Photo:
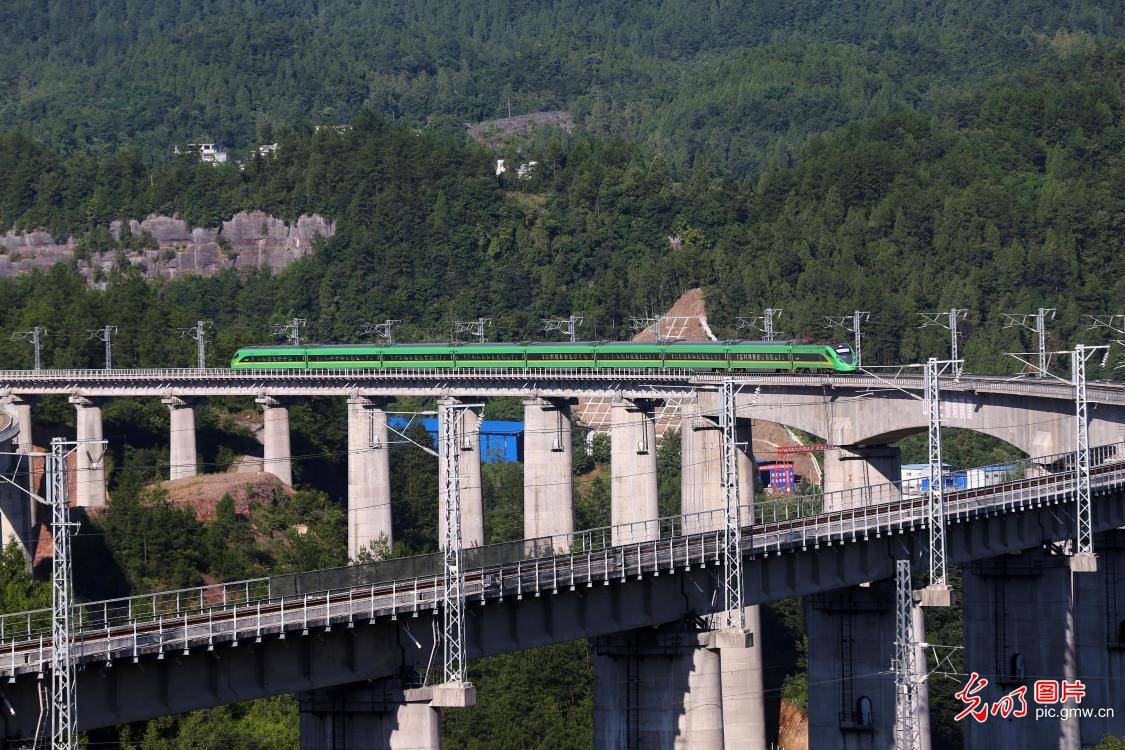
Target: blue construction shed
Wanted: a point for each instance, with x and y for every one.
(500, 441)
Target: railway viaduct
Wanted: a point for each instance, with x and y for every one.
(655, 686)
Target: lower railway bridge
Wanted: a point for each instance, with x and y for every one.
(357, 643)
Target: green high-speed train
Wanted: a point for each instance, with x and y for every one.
(724, 356)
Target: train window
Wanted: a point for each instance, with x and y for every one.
(272, 358)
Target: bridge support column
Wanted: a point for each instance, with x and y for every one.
(380, 716)
(701, 490)
(851, 636)
(702, 506)
(468, 467)
(857, 467)
(277, 458)
(369, 475)
(744, 695)
(1029, 616)
(659, 689)
(18, 512)
(182, 452)
(90, 477)
(20, 409)
(548, 481)
(634, 499)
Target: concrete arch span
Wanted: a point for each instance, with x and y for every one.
(1036, 426)
(866, 425)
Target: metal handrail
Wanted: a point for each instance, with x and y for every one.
(366, 601)
(816, 511)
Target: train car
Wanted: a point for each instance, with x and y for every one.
(716, 356)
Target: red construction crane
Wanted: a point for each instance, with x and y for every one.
(791, 450)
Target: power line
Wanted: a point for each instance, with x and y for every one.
(198, 332)
(290, 330)
(105, 335)
(949, 320)
(1115, 323)
(474, 328)
(642, 324)
(34, 336)
(566, 326)
(1036, 322)
(384, 330)
(763, 323)
(851, 324)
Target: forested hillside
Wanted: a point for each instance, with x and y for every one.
(1007, 200)
(742, 82)
(817, 157)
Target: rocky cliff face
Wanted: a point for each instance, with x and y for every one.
(249, 240)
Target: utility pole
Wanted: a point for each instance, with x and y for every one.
(290, 330)
(450, 419)
(198, 332)
(938, 593)
(907, 731)
(1084, 560)
(64, 687)
(949, 320)
(733, 601)
(474, 328)
(640, 324)
(566, 326)
(384, 330)
(1038, 324)
(763, 323)
(852, 324)
(34, 336)
(106, 335)
(63, 707)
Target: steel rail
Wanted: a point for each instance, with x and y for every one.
(142, 630)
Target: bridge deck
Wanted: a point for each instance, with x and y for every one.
(179, 621)
(630, 382)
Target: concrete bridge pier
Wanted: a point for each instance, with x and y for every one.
(701, 488)
(277, 458)
(183, 461)
(702, 505)
(1029, 616)
(20, 409)
(376, 716)
(855, 467)
(468, 468)
(634, 499)
(90, 489)
(851, 631)
(18, 512)
(658, 689)
(548, 479)
(369, 475)
(744, 696)
(851, 635)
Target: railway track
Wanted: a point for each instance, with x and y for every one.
(276, 616)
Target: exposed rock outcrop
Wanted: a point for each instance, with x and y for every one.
(248, 240)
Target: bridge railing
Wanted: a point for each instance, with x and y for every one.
(891, 497)
(22, 626)
(333, 373)
(802, 517)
